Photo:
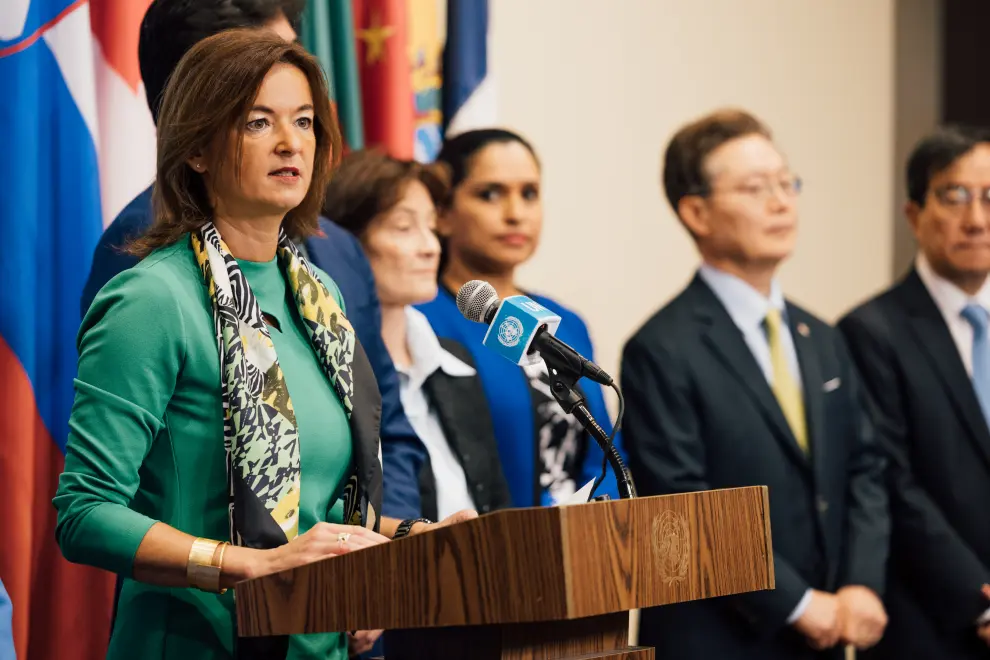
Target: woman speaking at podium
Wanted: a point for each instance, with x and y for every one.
(225, 423)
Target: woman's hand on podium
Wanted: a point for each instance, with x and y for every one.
(452, 519)
(322, 541)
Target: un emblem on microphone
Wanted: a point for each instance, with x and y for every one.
(671, 546)
(510, 331)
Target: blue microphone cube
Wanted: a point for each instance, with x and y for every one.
(512, 331)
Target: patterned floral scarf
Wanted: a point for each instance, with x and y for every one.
(260, 436)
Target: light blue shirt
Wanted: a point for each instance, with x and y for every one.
(748, 309)
(6, 627)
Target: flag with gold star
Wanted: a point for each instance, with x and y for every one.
(386, 75)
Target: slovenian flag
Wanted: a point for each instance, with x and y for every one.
(74, 134)
(469, 100)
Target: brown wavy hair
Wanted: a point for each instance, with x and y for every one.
(684, 160)
(205, 108)
(369, 183)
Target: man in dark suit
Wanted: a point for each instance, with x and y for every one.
(730, 385)
(921, 347)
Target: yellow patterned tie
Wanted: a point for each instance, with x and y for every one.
(784, 387)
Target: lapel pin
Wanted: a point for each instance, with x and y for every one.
(803, 330)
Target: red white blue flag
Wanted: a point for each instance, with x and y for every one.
(76, 135)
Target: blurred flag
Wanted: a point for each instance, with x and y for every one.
(62, 79)
(6, 632)
(383, 61)
(468, 87)
(386, 81)
(346, 80)
(328, 33)
(126, 144)
(425, 49)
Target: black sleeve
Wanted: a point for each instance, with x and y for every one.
(868, 522)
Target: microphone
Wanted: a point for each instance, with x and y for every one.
(522, 331)
(518, 329)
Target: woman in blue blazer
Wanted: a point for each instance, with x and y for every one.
(489, 227)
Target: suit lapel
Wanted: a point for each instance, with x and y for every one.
(809, 360)
(811, 384)
(939, 348)
(727, 342)
(455, 407)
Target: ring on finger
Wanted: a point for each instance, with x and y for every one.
(342, 538)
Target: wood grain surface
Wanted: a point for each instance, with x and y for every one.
(528, 565)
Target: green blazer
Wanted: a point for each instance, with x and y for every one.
(146, 444)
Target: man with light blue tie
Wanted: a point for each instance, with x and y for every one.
(730, 385)
(924, 353)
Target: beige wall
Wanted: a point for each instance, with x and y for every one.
(917, 96)
(599, 86)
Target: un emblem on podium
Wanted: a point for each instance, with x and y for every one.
(671, 546)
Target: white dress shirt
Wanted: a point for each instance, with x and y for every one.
(951, 300)
(428, 355)
(748, 309)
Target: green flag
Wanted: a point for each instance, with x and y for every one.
(316, 34)
(328, 33)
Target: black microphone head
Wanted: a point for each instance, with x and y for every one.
(476, 299)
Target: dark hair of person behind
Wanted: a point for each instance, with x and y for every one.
(368, 183)
(684, 161)
(458, 151)
(205, 108)
(171, 27)
(937, 152)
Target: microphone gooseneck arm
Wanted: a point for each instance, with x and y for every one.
(569, 360)
(478, 301)
(564, 373)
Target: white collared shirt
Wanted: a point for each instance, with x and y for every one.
(748, 309)
(427, 356)
(951, 300)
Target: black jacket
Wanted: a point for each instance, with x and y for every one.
(700, 415)
(467, 424)
(939, 474)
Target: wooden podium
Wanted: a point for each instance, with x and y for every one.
(527, 584)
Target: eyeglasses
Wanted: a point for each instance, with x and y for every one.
(788, 185)
(957, 197)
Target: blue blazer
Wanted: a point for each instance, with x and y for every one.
(341, 256)
(508, 393)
